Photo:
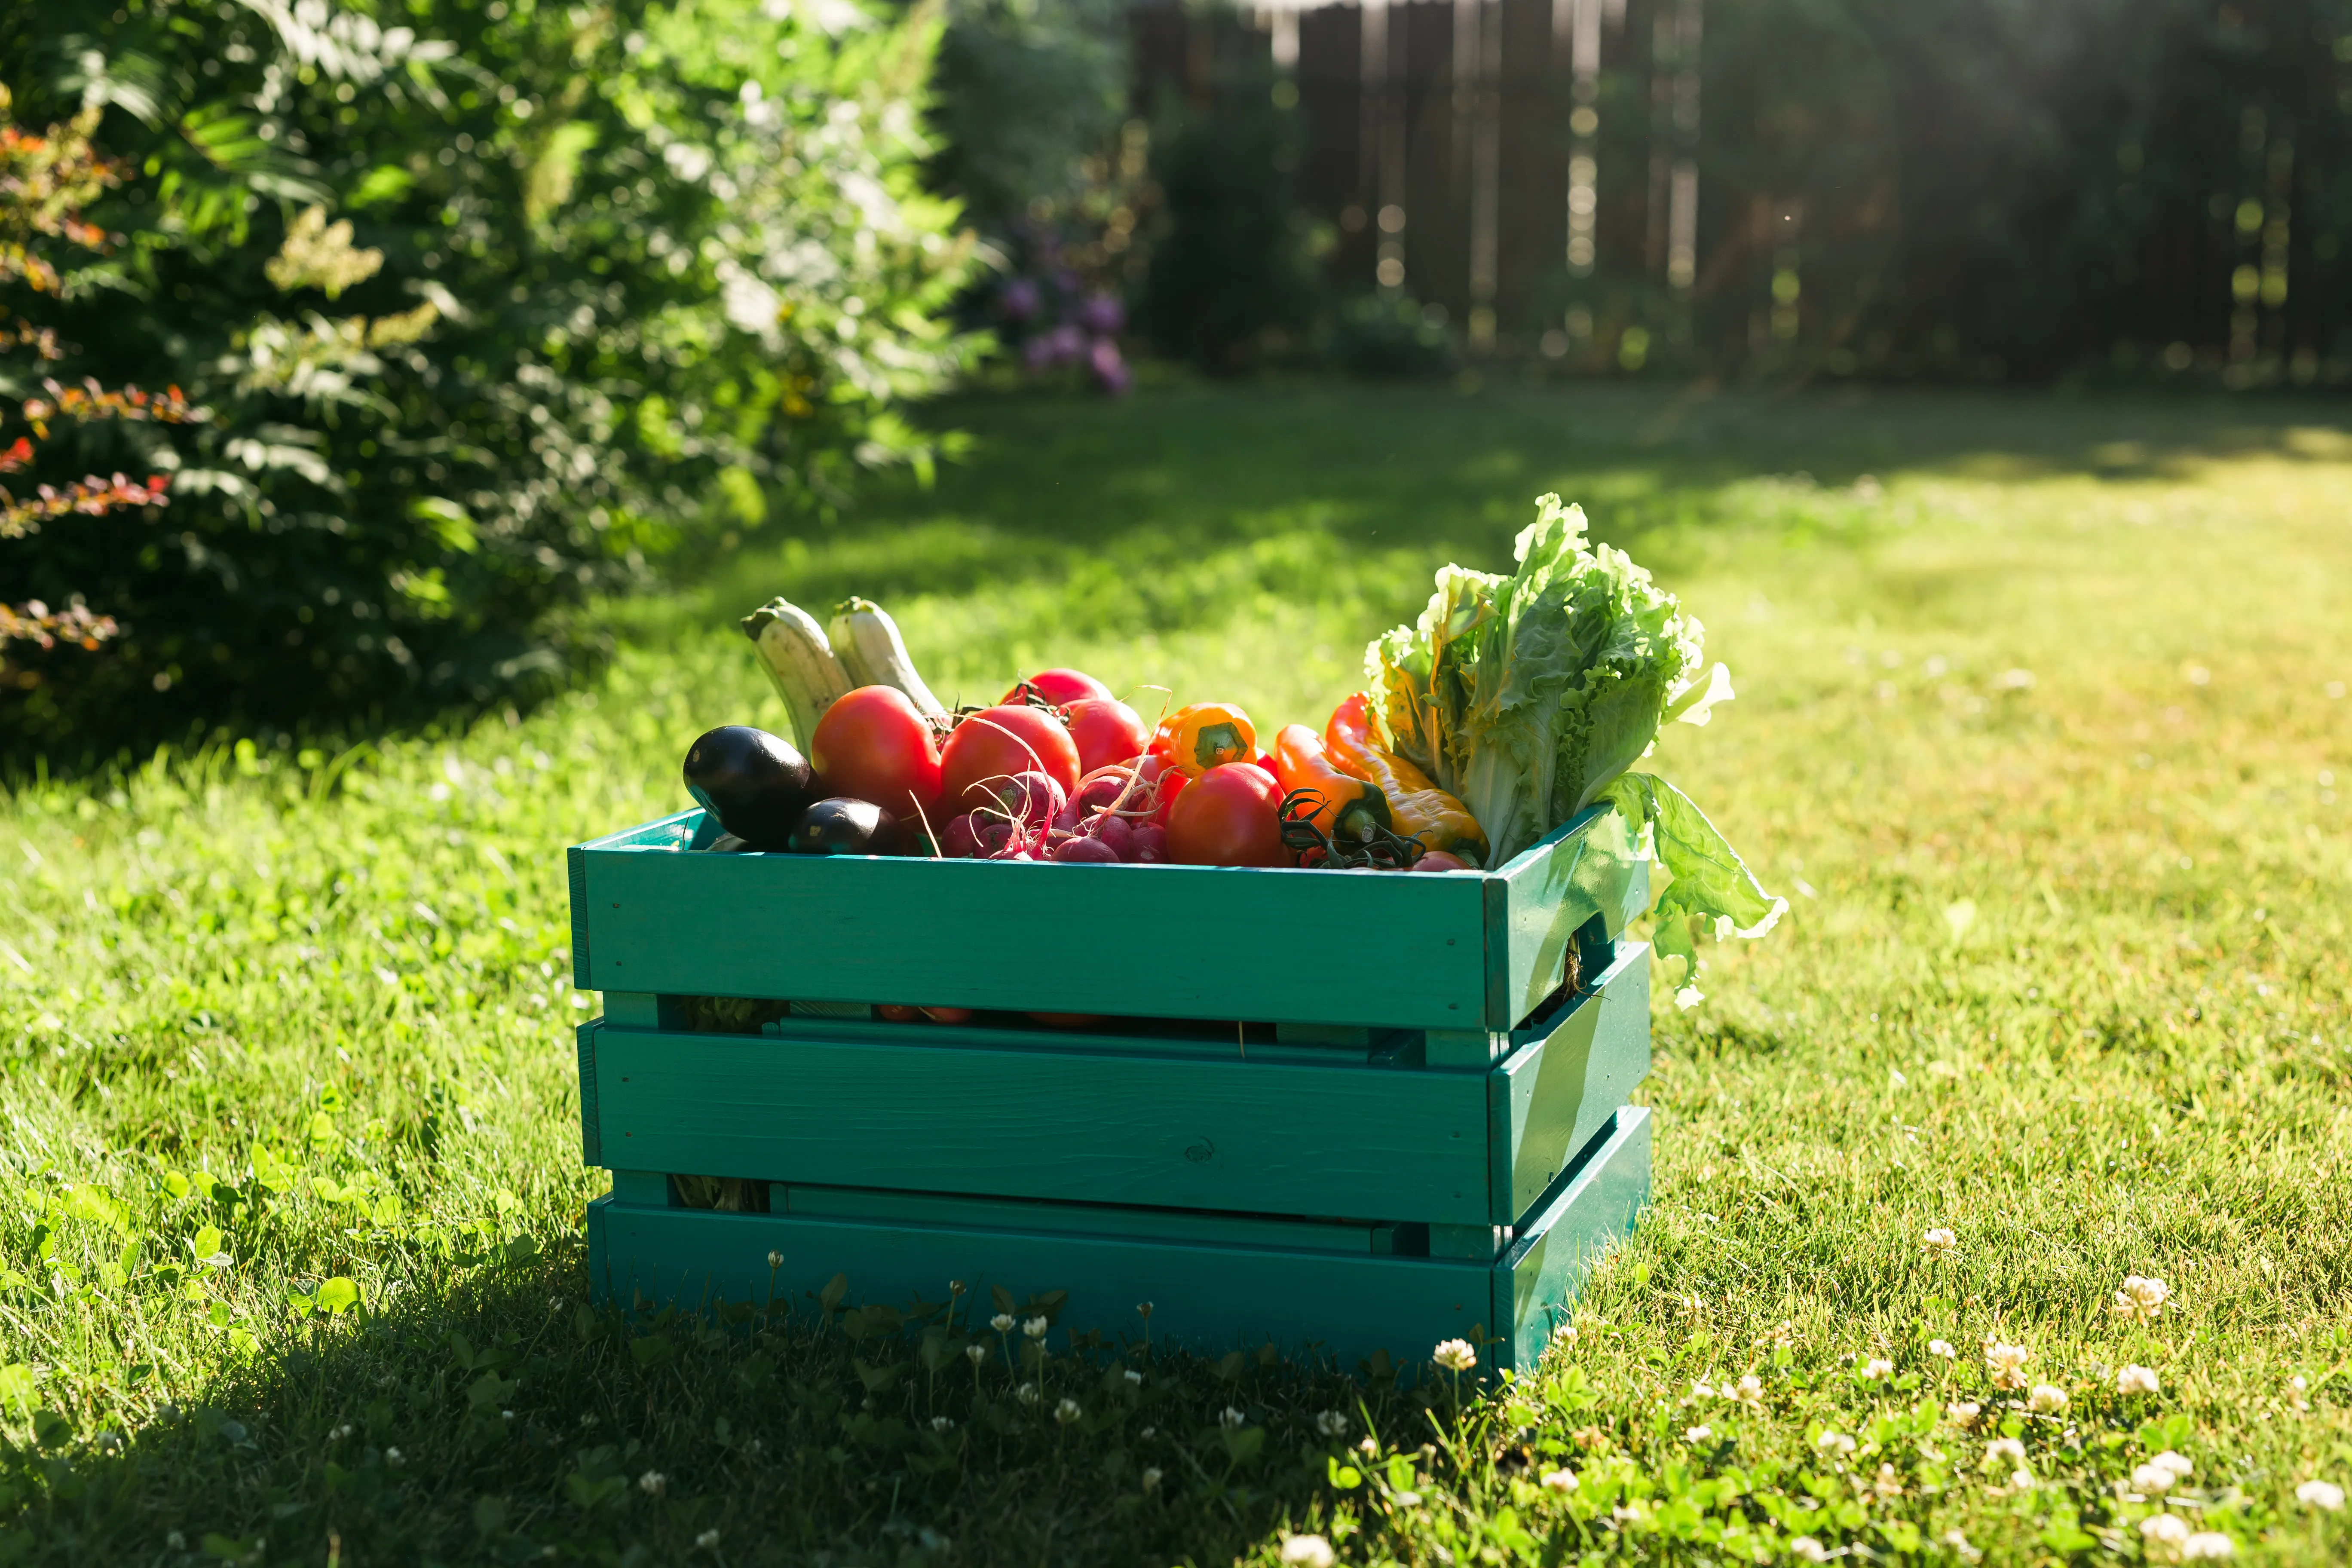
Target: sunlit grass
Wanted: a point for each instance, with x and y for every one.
(2041, 728)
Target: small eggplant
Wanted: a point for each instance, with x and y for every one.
(754, 783)
(840, 826)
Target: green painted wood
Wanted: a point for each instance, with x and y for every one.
(1557, 1091)
(1281, 946)
(575, 870)
(591, 1149)
(1151, 1037)
(1482, 1243)
(952, 1111)
(647, 1189)
(1208, 1297)
(1547, 894)
(1593, 1210)
(1078, 1219)
(633, 1010)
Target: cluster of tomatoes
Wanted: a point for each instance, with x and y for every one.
(1061, 770)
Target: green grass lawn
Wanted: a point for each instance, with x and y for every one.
(2041, 721)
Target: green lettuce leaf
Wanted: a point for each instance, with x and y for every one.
(1708, 886)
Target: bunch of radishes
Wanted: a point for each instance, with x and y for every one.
(1069, 781)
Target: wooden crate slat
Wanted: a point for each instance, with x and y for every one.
(1138, 1122)
(1456, 952)
(1594, 1210)
(1236, 1135)
(1538, 903)
(1207, 1297)
(1554, 1094)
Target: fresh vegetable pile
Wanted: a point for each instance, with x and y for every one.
(1512, 706)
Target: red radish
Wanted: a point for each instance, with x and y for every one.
(1107, 730)
(1439, 860)
(948, 1015)
(875, 745)
(1029, 798)
(1059, 687)
(993, 834)
(1150, 845)
(1114, 833)
(1077, 848)
(960, 839)
(998, 742)
(895, 1014)
(1228, 817)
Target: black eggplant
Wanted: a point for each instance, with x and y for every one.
(754, 783)
(840, 826)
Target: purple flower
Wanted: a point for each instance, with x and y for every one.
(1102, 315)
(1109, 368)
(1064, 344)
(1021, 299)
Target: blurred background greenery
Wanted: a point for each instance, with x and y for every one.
(481, 315)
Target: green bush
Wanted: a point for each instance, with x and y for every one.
(603, 265)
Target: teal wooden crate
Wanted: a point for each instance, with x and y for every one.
(1313, 1130)
(1281, 1282)
(1353, 1108)
(653, 914)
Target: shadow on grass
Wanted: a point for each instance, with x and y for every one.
(499, 1418)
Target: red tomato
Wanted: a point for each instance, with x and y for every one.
(998, 742)
(1172, 785)
(875, 745)
(1227, 817)
(1106, 730)
(1061, 688)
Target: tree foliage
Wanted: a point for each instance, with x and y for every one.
(486, 301)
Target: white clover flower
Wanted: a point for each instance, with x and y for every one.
(1455, 1355)
(2005, 1364)
(1942, 1349)
(340, 1432)
(2177, 1463)
(1697, 1433)
(1034, 1327)
(652, 1483)
(707, 1540)
(1560, 1481)
(1957, 1539)
(1835, 1442)
(1067, 1411)
(1963, 1412)
(2141, 1300)
(2152, 1479)
(775, 1260)
(1331, 1423)
(2020, 1480)
(1231, 1417)
(394, 1458)
(1808, 1549)
(1027, 1393)
(1877, 1367)
(1150, 1480)
(2136, 1380)
(2207, 1545)
(2164, 1530)
(941, 1424)
(1939, 1242)
(1749, 1390)
(1134, 1378)
(976, 1352)
(1369, 1447)
(1002, 1322)
(2004, 1451)
(2324, 1495)
(1306, 1551)
(2047, 1399)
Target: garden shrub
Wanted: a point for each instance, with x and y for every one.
(489, 309)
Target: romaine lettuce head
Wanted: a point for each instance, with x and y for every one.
(1523, 696)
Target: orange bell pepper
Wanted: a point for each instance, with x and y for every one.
(1205, 735)
(1417, 808)
(1347, 808)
